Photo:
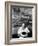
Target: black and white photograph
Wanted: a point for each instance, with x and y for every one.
(21, 22)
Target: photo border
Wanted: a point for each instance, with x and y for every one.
(7, 37)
